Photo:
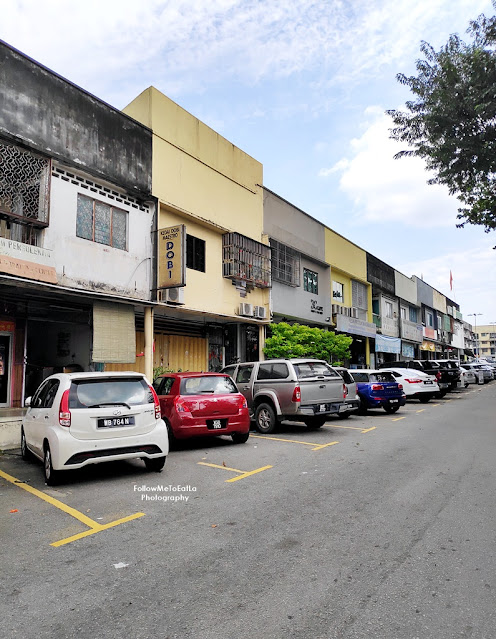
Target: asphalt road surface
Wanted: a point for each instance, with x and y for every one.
(380, 526)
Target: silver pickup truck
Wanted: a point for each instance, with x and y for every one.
(302, 390)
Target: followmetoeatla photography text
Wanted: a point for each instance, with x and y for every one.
(168, 493)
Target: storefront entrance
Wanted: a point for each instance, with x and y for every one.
(5, 368)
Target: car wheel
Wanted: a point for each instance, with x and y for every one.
(240, 438)
(362, 409)
(344, 415)
(423, 399)
(391, 409)
(265, 419)
(315, 422)
(465, 385)
(441, 394)
(26, 454)
(155, 465)
(51, 475)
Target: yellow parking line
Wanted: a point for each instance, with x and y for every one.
(294, 441)
(321, 446)
(251, 472)
(242, 473)
(420, 411)
(397, 419)
(362, 430)
(93, 525)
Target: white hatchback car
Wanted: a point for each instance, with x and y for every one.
(76, 419)
(416, 384)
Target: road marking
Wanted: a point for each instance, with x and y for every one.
(362, 430)
(295, 441)
(87, 521)
(397, 419)
(242, 474)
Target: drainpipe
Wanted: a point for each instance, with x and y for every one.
(149, 343)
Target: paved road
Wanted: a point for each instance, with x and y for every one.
(380, 526)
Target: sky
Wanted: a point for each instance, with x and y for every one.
(300, 85)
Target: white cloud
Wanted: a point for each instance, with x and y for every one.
(474, 278)
(387, 190)
(183, 45)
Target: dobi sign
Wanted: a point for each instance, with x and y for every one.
(172, 256)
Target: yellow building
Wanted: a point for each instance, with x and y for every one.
(351, 294)
(214, 189)
(486, 341)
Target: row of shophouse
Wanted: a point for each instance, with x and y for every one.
(139, 239)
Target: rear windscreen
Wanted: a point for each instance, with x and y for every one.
(87, 393)
(210, 385)
(382, 377)
(314, 369)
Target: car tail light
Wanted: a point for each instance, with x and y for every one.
(438, 376)
(400, 386)
(376, 387)
(181, 406)
(345, 391)
(243, 403)
(64, 412)
(156, 402)
(296, 394)
(413, 381)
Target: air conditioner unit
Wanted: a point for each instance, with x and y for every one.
(260, 312)
(346, 311)
(246, 309)
(335, 309)
(172, 295)
(354, 312)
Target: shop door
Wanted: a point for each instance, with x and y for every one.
(5, 359)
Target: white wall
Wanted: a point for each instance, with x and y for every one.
(85, 264)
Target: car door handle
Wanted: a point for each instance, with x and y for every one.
(246, 388)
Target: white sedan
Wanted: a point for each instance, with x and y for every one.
(416, 384)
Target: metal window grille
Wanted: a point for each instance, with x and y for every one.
(285, 264)
(24, 193)
(247, 260)
(310, 281)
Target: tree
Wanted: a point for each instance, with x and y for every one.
(451, 123)
(296, 340)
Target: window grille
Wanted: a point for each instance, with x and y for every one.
(247, 260)
(310, 281)
(285, 264)
(24, 193)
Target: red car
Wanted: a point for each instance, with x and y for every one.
(199, 404)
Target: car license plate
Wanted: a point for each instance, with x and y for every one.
(115, 422)
(322, 408)
(216, 424)
(428, 382)
(394, 401)
(343, 408)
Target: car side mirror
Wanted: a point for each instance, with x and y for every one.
(27, 402)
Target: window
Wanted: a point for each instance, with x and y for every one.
(314, 369)
(101, 223)
(211, 384)
(413, 314)
(244, 374)
(403, 312)
(273, 371)
(429, 319)
(163, 385)
(246, 260)
(388, 306)
(310, 281)
(285, 264)
(337, 292)
(195, 253)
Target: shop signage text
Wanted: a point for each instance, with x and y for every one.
(172, 256)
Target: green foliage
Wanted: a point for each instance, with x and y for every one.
(451, 123)
(160, 370)
(296, 340)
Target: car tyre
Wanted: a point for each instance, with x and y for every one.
(362, 409)
(51, 475)
(240, 438)
(26, 454)
(155, 465)
(391, 409)
(344, 415)
(424, 399)
(315, 422)
(265, 419)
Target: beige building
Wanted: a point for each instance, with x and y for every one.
(486, 340)
(213, 306)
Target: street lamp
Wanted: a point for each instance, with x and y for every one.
(474, 315)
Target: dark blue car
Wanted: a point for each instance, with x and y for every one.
(378, 389)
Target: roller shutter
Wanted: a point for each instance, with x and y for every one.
(114, 334)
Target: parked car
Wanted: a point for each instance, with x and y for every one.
(75, 419)
(477, 372)
(303, 390)
(446, 377)
(487, 371)
(416, 384)
(202, 404)
(467, 376)
(351, 388)
(378, 389)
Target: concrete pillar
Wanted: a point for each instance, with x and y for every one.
(149, 343)
(261, 342)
